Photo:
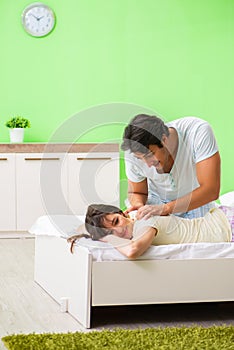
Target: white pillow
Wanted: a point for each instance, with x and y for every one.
(91, 244)
(227, 199)
(57, 225)
(65, 226)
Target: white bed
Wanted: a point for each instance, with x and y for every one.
(98, 275)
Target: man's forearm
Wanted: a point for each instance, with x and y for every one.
(137, 199)
(193, 200)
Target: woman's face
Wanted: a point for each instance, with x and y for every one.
(119, 224)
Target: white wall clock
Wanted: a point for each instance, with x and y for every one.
(38, 19)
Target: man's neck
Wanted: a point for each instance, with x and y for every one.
(173, 142)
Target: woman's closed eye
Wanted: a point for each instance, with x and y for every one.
(115, 221)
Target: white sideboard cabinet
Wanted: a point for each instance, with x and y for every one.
(41, 179)
(8, 192)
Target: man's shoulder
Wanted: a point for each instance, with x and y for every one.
(189, 127)
(187, 122)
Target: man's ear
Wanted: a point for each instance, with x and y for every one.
(164, 140)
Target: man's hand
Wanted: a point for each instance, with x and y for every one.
(132, 208)
(151, 210)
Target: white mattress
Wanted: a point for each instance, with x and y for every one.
(65, 225)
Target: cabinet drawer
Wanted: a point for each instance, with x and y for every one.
(41, 182)
(92, 178)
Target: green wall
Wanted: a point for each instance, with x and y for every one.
(109, 59)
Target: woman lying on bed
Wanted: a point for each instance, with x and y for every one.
(133, 237)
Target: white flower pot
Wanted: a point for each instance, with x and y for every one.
(17, 135)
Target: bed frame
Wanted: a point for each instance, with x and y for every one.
(83, 283)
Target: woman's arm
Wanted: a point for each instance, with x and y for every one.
(134, 248)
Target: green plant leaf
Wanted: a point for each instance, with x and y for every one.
(18, 122)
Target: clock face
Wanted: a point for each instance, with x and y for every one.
(38, 19)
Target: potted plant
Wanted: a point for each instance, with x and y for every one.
(17, 125)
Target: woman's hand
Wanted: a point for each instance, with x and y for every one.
(147, 211)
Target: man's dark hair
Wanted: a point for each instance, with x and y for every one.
(142, 131)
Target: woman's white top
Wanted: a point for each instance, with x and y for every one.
(213, 227)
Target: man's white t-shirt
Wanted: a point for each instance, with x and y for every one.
(196, 143)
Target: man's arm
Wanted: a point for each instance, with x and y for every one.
(137, 194)
(208, 175)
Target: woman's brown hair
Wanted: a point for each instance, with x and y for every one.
(94, 220)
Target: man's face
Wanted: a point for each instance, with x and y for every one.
(157, 157)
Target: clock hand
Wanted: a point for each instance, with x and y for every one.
(34, 16)
(37, 18)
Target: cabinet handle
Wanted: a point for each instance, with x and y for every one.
(3, 158)
(41, 158)
(104, 158)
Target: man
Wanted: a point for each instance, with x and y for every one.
(171, 168)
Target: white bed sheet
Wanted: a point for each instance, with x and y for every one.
(65, 225)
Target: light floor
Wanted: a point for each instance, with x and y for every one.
(25, 307)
